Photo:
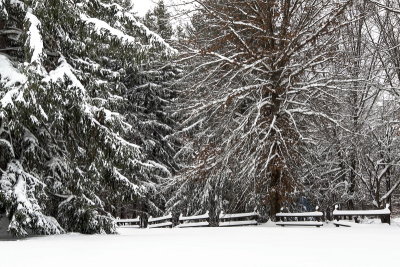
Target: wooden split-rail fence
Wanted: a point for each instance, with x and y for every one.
(300, 218)
(346, 217)
(314, 218)
(200, 220)
(340, 217)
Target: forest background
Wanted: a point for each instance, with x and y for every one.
(249, 105)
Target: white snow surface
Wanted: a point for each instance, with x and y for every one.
(237, 223)
(304, 223)
(192, 224)
(265, 245)
(159, 225)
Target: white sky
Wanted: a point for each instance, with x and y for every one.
(176, 7)
(141, 6)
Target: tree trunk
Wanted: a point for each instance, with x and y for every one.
(3, 43)
(275, 198)
(352, 181)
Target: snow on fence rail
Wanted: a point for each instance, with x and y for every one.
(383, 214)
(300, 218)
(301, 214)
(194, 221)
(337, 212)
(128, 223)
(160, 222)
(238, 219)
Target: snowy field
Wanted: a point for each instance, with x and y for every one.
(265, 245)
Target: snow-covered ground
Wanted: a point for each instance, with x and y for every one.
(265, 245)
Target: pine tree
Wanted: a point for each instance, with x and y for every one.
(152, 93)
(159, 20)
(68, 155)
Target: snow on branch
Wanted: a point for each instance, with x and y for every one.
(10, 77)
(34, 41)
(160, 167)
(386, 7)
(154, 38)
(17, 4)
(65, 70)
(3, 10)
(6, 148)
(101, 27)
(17, 187)
(125, 181)
(390, 192)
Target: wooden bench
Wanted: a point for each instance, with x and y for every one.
(160, 222)
(300, 218)
(194, 221)
(342, 215)
(238, 219)
(128, 223)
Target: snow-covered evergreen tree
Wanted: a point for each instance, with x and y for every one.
(152, 94)
(149, 110)
(67, 149)
(159, 20)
